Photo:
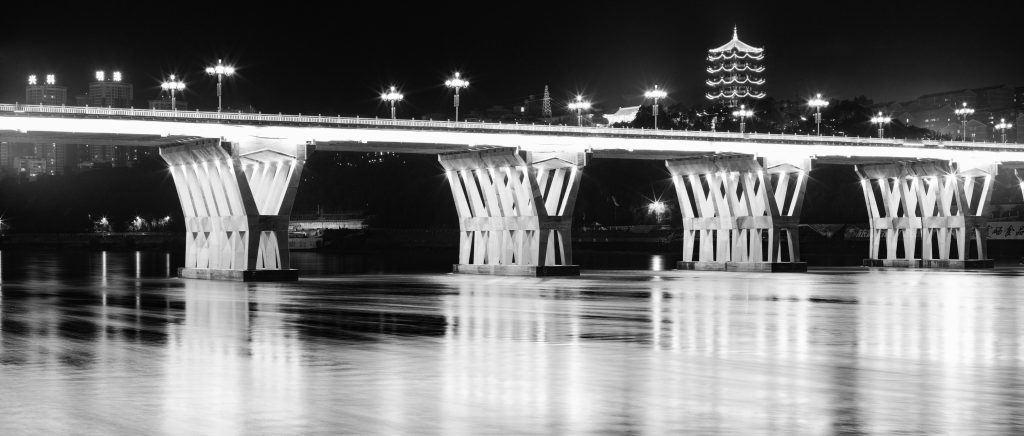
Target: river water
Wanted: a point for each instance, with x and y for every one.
(108, 343)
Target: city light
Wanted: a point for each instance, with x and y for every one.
(392, 97)
(963, 113)
(742, 113)
(100, 76)
(655, 94)
(456, 83)
(817, 103)
(173, 86)
(32, 79)
(1002, 127)
(579, 105)
(656, 207)
(51, 79)
(117, 76)
(220, 70)
(881, 120)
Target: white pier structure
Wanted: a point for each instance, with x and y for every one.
(515, 185)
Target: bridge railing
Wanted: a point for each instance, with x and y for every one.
(485, 126)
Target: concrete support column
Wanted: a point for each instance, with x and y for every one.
(926, 214)
(738, 215)
(515, 210)
(236, 201)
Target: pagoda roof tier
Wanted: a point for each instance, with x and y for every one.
(731, 56)
(741, 93)
(737, 45)
(756, 69)
(735, 80)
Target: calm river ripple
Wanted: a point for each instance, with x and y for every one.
(107, 343)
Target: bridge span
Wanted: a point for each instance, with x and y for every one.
(515, 185)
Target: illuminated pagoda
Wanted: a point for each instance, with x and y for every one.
(735, 70)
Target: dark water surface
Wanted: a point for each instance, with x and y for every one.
(106, 343)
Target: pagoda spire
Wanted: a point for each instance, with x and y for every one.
(545, 108)
(735, 32)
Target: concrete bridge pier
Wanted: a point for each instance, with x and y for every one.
(236, 199)
(515, 210)
(928, 214)
(740, 213)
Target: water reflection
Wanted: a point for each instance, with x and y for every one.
(231, 359)
(114, 347)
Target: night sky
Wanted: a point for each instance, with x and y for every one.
(335, 57)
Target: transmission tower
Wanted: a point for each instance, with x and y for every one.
(545, 108)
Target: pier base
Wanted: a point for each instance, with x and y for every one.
(931, 263)
(744, 266)
(518, 270)
(700, 266)
(258, 275)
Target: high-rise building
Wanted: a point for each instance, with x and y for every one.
(45, 91)
(110, 91)
(735, 70)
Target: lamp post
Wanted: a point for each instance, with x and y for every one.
(655, 94)
(220, 70)
(173, 86)
(742, 113)
(579, 105)
(881, 120)
(392, 97)
(456, 83)
(963, 113)
(817, 103)
(1002, 127)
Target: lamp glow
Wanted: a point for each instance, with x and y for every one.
(1003, 126)
(220, 70)
(964, 112)
(117, 76)
(817, 103)
(173, 86)
(742, 113)
(51, 79)
(655, 94)
(456, 83)
(392, 96)
(579, 105)
(32, 79)
(100, 76)
(881, 120)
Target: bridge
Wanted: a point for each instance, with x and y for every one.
(515, 185)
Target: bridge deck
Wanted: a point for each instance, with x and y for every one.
(435, 136)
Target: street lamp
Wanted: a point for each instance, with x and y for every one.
(456, 83)
(172, 86)
(817, 103)
(881, 120)
(579, 105)
(655, 94)
(742, 113)
(1003, 126)
(220, 70)
(392, 97)
(963, 113)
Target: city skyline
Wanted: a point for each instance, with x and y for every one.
(330, 65)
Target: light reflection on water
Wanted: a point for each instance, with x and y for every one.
(105, 343)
